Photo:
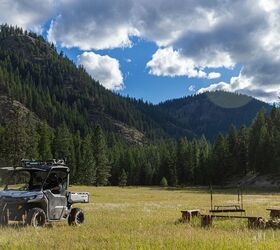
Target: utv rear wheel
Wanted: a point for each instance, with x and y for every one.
(36, 217)
(76, 217)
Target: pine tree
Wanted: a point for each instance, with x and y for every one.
(2, 150)
(183, 161)
(147, 174)
(71, 159)
(254, 141)
(115, 153)
(122, 178)
(101, 160)
(77, 151)
(15, 140)
(128, 161)
(203, 173)
(194, 160)
(243, 151)
(232, 141)
(32, 137)
(62, 142)
(220, 160)
(275, 138)
(264, 152)
(170, 163)
(64, 147)
(87, 169)
(45, 140)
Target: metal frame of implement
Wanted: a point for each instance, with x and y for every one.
(235, 208)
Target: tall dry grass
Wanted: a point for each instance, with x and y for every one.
(143, 218)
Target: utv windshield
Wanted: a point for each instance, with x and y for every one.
(26, 180)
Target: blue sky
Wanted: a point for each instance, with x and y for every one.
(142, 85)
(158, 50)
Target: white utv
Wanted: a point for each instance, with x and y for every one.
(37, 193)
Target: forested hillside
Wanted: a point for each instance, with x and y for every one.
(51, 108)
(50, 85)
(213, 112)
(254, 149)
(53, 87)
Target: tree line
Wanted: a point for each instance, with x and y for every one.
(24, 137)
(95, 161)
(253, 149)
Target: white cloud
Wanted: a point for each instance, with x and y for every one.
(214, 75)
(25, 13)
(269, 5)
(105, 69)
(102, 24)
(169, 62)
(244, 85)
(110, 23)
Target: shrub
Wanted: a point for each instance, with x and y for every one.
(163, 182)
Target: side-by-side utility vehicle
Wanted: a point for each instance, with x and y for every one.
(37, 193)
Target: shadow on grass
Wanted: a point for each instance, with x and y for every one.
(220, 190)
(19, 226)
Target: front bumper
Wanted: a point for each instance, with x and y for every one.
(13, 208)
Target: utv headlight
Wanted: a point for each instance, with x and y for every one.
(27, 198)
(33, 198)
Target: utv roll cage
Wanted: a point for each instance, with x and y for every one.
(44, 166)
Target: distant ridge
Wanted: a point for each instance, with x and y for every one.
(213, 112)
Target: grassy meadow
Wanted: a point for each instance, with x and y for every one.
(144, 218)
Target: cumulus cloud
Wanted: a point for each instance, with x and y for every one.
(26, 14)
(244, 85)
(99, 24)
(239, 32)
(109, 24)
(214, 75)
(168, 62)
(105, 69)
(236, 83)
(252, 42)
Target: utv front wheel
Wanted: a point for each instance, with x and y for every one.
(36, 217)
(76, 217)
(3, 220)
